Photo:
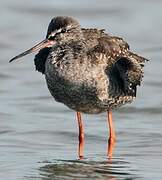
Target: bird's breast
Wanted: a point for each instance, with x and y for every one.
(77, 84)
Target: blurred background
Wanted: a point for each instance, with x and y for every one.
(38, 136)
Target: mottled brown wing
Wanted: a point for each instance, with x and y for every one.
(122, 65)
(110, 48)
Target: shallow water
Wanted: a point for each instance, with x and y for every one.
(38, 137)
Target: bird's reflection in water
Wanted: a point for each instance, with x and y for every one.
(87, 169)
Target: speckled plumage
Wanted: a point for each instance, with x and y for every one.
(87, 69)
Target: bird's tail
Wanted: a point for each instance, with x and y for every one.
(130, 68)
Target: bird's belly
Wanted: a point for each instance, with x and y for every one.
(84, 99)
(78, 97)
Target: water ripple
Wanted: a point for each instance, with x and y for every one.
(88, 169)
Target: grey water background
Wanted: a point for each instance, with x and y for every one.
(38, 136)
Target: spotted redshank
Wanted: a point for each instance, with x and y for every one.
(88, 70)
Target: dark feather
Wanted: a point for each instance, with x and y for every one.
(130, 70)
(125, 67)
(40, 59)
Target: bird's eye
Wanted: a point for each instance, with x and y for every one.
(51, 36)
(63, 30)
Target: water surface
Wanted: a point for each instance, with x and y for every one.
(38, 137)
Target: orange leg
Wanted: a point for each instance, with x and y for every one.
(81, 135)
(112, 136)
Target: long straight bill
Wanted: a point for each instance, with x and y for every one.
(42, 44)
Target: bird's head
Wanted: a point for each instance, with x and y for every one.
(63, 29)
(60, 30)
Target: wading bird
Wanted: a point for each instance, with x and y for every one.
(88, 70)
